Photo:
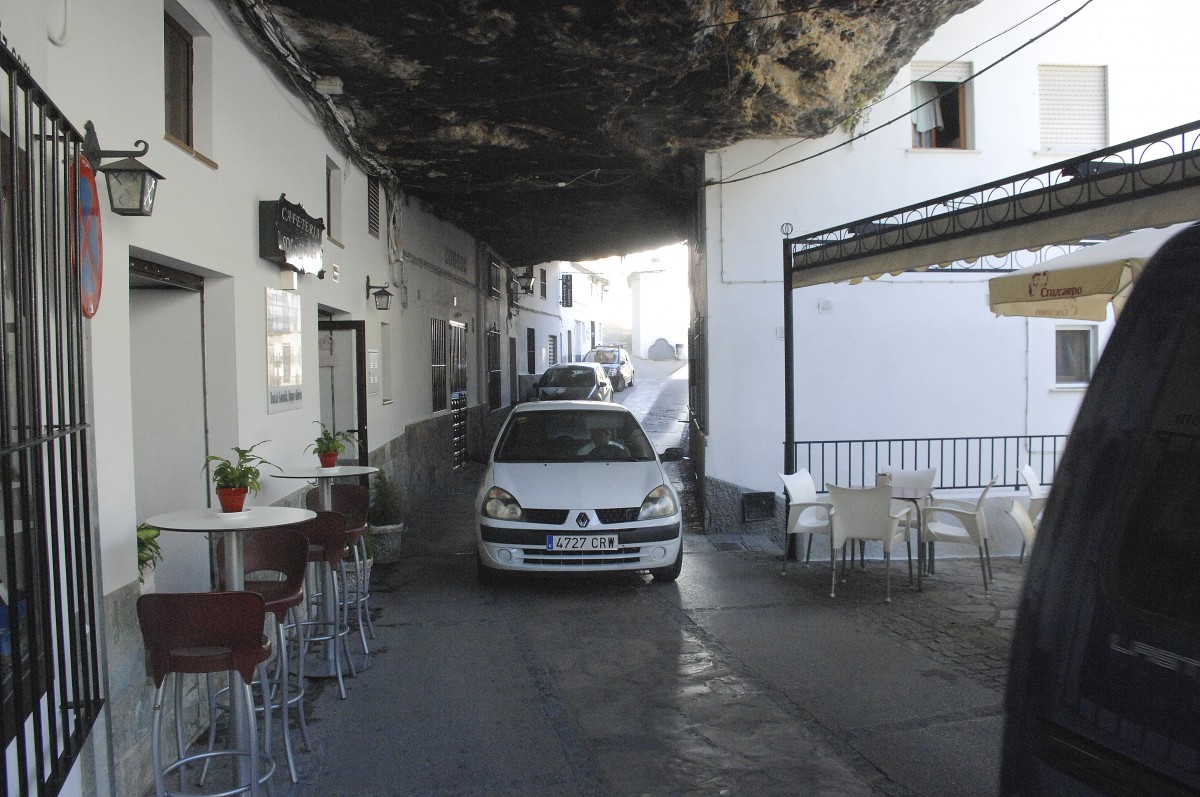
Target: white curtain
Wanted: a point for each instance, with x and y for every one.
(927, 111)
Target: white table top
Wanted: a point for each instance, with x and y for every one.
(256, 517)
(325, 473)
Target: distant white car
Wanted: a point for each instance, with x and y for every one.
(616, 363)
(576, 486)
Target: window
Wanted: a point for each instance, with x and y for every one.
(178, 81)
(530, 351)
(187, 82)
(552, 350)
(333, 200)
(493, 368)
(940, 102)
(1074, 354)
(542, 281)
(437, 356)
(373, 206)
(1073, 107)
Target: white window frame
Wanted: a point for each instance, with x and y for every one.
(1072, 108)
(942, 75)
(1091, 353)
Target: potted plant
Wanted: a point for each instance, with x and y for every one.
(386, 519)
(234, 479)
(148, 552)
(330, 444)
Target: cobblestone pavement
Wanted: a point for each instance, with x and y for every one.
(735, 680)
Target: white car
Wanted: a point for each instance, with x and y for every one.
(576, 486)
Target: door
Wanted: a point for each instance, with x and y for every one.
(458, 390)
(343, 382)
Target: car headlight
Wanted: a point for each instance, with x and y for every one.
(660, 502)
(500, 505)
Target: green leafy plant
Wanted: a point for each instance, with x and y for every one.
(330, 442)
(148, 552)
(387, 504)
(242, 472)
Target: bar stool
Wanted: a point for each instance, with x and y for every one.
(202, 633)
(353, 501)
(282, 552)
(326, 611)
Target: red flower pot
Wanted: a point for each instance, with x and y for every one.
(328, 459)
(232, 498)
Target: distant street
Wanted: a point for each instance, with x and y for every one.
(734, 680)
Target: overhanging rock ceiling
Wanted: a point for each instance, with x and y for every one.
(574, 131)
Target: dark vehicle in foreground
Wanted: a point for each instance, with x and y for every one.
(1104, 682)
(573, 487)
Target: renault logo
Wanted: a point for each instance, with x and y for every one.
(582, 520)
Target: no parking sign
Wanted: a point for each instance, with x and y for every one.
(91, 251)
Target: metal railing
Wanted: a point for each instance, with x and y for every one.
(961, 462)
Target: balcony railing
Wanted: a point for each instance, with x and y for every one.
(961, 462)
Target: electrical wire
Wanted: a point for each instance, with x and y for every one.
(953, 88)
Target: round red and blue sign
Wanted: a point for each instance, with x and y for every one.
(91, 240)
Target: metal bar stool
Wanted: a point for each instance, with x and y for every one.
(202, 633)
(353, 501)
(277, 557)
(326, 611)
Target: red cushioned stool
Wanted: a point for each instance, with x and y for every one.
(327, 620)
(353, 501)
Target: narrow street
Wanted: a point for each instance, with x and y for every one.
(734, 680)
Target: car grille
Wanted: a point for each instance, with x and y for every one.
(536, 538)
(551, 517)
(624, 515)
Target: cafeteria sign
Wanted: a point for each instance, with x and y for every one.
(289, 237)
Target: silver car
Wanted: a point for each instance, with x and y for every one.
(616, 363)
(586, 381)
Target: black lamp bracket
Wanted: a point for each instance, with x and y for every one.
(92, 151)
(371, 287)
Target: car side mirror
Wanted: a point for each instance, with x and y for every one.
(672, 454)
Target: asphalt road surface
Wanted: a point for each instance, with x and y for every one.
(735, 680)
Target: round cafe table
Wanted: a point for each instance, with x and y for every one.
(231, 525)
(325, 666)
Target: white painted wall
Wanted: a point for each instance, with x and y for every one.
(659, 291)
(919, 354)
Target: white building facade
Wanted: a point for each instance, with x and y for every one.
(204, 338)
(917, 355)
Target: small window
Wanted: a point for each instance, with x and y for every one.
(177, 64)
(1074, 355)
(1073, 107)
(385, 362)
(530, 351)
(373, 206)
(552, 350)
(333, 200)
(940, 116)
(542, 281)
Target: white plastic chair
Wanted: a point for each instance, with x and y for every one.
(962, 522)
(866, 514)
(807, 514)
(919, 482)
(1025, 524)
(1038, 493)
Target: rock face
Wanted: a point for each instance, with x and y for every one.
(555, 130)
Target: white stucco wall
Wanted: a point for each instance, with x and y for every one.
(919, 354)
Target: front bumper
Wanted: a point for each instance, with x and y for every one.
(523, 548)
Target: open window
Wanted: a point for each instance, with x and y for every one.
(941, 105)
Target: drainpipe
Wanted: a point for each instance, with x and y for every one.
(789, 387)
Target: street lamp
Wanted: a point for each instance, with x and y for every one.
(131, 183)
(383, 297)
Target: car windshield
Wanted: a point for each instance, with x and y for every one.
(569, 377)
(574, 435)
(605, 356)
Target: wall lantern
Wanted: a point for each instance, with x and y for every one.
(524, 279)
(131, 184)
(383, 297)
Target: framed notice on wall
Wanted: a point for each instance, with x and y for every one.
(284, 382)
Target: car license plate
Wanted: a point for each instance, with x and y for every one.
(586, 542)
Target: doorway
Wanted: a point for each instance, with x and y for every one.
(343, 382)
(170, 417)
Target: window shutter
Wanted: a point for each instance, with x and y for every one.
(940, 71)
(1073, 107)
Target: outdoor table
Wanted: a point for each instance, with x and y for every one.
(915, 495)
(326, 666)
(231, 525)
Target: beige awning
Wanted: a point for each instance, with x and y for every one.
(1079, 285)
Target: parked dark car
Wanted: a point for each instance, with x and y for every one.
(617, 364)
(574, 381)
(1104, 682)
